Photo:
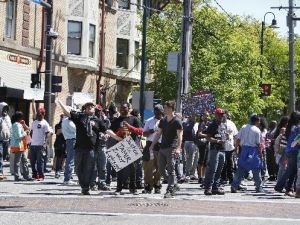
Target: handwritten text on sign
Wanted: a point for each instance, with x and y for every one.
(123, 153)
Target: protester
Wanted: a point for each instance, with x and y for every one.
(289, 177)
(191, 151)
(170, 128)
(216, 135)
(5, 134)
(250, 158)
(150, 159)
(264, 143)
(69, 133)
(231, 132)
(88, 128)
(20, 131)
(124, 126)
(203, 145)
(59, 148)
(41, 132)
(271, 161)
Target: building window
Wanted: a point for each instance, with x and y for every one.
(122, 53)
(10, 26)
(124, 4)
(136, 54)
(74, 37)
(92, 41)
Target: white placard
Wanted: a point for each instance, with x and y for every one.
(172, 61)
(34, 93)
(123, 153)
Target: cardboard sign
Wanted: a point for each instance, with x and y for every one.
(123, 153)
(198, 103)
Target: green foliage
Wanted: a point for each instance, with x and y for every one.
(225, 59)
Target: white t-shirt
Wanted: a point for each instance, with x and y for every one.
(249, 135)
(151, 123)
(39, 132)
(232, 131)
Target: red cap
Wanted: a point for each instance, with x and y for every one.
(219, 111)
(42, 111)
(99, 107)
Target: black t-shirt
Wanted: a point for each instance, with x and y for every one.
(131, 120)
(216, 130)
(188, 131)
(87, 130)
(169, 132)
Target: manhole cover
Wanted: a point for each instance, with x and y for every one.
(149, 204)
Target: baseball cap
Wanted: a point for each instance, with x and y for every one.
(219, 111)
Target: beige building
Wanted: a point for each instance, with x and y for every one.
(76, 51)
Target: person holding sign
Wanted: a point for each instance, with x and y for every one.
(88, 129)
(124, 126)
(170, 129)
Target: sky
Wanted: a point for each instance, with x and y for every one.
(258, 8)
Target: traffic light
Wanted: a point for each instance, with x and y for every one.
(266, 89)
(35, 80)
(56, 81)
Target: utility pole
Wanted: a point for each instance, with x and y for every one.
(186, 43)
(291, 25)
(48, 64)
(101, 52)
(144, 58)
(291, 22)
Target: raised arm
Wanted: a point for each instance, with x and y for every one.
(65, 109)
(33, 106)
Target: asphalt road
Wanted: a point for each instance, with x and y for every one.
(50, 202)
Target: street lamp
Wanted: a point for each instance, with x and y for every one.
(263, 27)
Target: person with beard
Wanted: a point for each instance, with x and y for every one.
(88, 129)
(125, 125)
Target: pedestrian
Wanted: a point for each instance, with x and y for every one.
(59, 148)
(100, 154)
(271, 161)
(69, 133)
(249, 143)
(150, 159)
(41, 132)
(231, 132)
(289, 178)
(5, 134)
(20, 131)
(170, 129)
(124, 126)
(191, 151)
(88, 128)
(265, 142)
(203, 145)
(216, 135)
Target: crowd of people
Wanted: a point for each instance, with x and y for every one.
(210, 147)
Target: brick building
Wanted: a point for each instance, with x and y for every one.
(75, 51)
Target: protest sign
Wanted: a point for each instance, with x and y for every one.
(123, 153)
(197, 103)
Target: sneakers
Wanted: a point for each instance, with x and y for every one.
(57, 175)
(218, 192)
(260, 190)
(157, 189)
(118, 191)
(85, 192)
(278, 190)
(240, 188)
(93, 188)
(147, 189)
(208, 192)
(35, 177)
(290, 194)
(2, 177)
(169, 194)
(233, 190)
(40, 178)
(103, 188)
(176, 188)
(70, 182)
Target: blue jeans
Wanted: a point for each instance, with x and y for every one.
(191, 155)
(214, 169)
(100, 166)
(69, 165)
(37, 160)
(288, 178)
(84, 166)
(298, 173)
(240, 174)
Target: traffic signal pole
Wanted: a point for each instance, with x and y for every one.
(48, 65)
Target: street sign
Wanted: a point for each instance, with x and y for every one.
(173, 61)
